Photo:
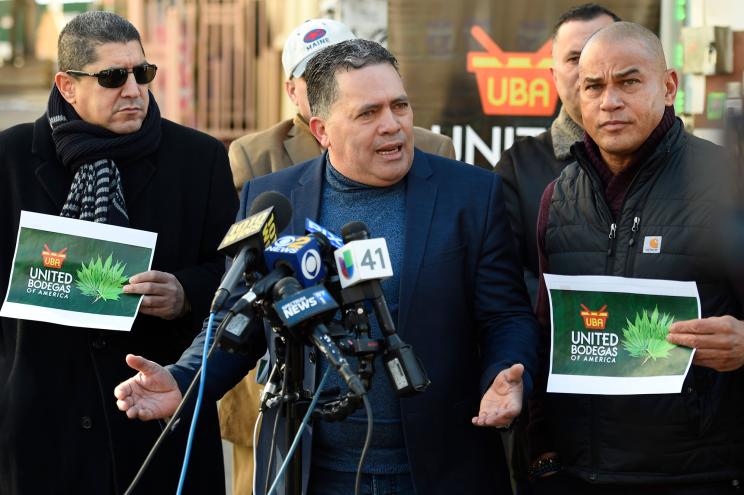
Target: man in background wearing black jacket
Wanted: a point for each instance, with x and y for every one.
(532, 162)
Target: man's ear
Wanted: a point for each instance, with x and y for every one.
(318, 128)
(290, 88)
(66, 85)
(671, 84)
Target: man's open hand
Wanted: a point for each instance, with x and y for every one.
(502, 402)
(150, 394)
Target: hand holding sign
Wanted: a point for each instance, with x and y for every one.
(719, 341)
(164, 295)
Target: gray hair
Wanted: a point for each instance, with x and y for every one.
(79, 39)
(320, 74)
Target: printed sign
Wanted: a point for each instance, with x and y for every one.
(608, 334)
(72, 272)
(513, 83)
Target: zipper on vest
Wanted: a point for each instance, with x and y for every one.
(634, 230)
(631, 250)
(611, 237)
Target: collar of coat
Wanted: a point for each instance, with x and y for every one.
(564, 132)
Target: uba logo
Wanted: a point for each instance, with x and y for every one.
(513, 83)
(594, 320)
(53, 259)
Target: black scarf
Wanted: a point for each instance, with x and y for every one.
(90, 152)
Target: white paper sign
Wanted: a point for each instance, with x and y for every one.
(608, 334)
(71, 272)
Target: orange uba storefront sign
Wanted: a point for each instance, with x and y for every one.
(513, 83)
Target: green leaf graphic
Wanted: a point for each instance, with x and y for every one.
(100, 280)
(646, 338)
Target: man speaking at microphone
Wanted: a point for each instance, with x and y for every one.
(457, 293)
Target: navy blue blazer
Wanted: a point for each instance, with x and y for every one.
(463, 308)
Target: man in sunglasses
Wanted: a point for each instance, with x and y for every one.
(103, 153)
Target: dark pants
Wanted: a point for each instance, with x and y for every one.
(326, 482)
(559, 484)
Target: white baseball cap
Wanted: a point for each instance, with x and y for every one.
(308, 39)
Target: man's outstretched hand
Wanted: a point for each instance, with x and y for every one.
(502, 402)
(150, 394)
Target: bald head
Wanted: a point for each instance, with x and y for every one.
(620, 34)
(624, 88)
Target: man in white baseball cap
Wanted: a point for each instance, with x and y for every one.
(285, 144)
(290, 142)
(307, 39)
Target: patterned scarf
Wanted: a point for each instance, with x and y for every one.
(90, 152)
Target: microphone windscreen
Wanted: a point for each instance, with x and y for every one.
(353, 231)
(282, 207)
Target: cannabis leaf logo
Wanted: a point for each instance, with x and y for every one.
(100, 280)
(646, 338)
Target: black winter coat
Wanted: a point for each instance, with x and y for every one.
(60, 430)
(527, 168)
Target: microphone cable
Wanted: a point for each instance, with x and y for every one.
(272, 446)
(173, 421)
(197, 407)
(258, 422)
(367, 441)
(298, 436)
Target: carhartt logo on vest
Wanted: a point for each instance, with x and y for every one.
(652, 244)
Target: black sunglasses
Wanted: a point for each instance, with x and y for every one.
(115, 78)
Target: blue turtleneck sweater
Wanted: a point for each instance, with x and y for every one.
(338, 445)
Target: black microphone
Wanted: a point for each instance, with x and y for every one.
(407, 374)
(298, 308)
(245, 241)
(240, 325)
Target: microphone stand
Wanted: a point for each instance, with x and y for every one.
(294, 405)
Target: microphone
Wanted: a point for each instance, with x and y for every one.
(301, 255)
(245, 240)
(361, 259)
(362, 262)
(300, 309)
(241, 317)
(312, 227)
(249, 311)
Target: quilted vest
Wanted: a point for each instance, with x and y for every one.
(680, 195)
